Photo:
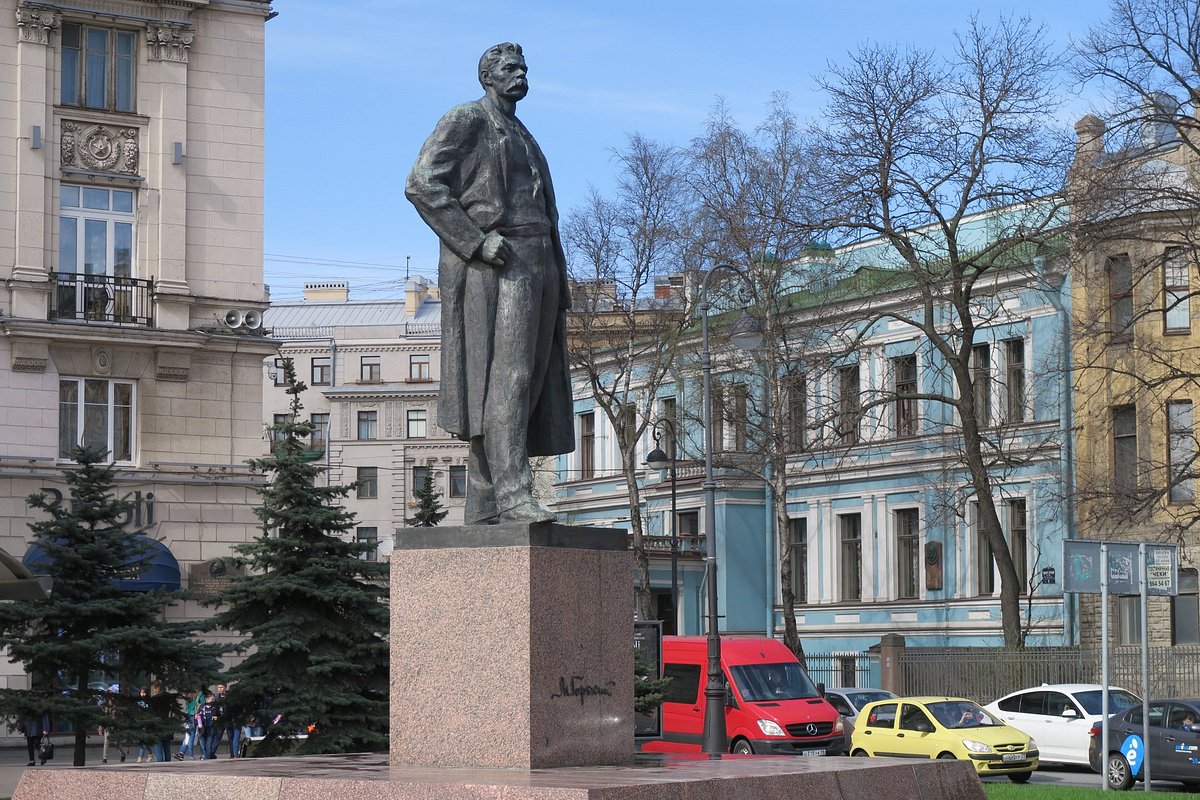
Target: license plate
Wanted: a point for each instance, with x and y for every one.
(812, 752)
(1013, 757)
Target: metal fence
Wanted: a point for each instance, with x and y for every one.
(842, 669)
(985, 674)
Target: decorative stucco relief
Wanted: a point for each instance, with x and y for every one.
(169, 42)
(34, 23)
(101, 148)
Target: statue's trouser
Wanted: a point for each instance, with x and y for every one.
(498, 474)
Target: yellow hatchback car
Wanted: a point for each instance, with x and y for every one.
(944, 727)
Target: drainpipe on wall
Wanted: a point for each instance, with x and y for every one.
(769, 550)
(1056, 280)
(329, 424)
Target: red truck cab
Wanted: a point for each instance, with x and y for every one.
(772, 707)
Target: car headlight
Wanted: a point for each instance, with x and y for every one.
(976, 747)
(840, 725)
(770, 728)
(1032, 745)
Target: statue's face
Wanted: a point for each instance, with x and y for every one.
(507, 77)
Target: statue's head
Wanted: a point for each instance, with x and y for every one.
(502, 71)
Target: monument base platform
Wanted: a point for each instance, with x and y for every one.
(649, 777)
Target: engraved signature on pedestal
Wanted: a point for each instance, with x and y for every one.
(575, 687)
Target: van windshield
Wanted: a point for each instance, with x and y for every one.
(765, 682)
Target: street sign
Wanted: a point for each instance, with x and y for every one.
(1082, 568)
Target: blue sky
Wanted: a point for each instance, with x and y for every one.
(355, 86)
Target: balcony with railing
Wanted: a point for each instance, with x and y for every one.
(109, 299)
(689, 546)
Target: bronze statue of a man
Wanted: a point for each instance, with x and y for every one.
(481, 183)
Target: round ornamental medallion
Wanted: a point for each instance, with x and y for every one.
(100, 151)
(102, 361)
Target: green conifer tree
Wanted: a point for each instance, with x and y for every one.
(90, 630)
(314, 611)
(429, 508)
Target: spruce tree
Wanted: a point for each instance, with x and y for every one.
(429, 508)
(314, 611)
(89, 629)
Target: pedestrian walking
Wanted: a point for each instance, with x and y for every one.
(34, 728)
(207, 722)
(145, 748)
(191, 736)
(109, 705)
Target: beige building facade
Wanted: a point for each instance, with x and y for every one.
(372, 368)
(131, 233)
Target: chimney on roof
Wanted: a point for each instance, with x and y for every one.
(416, 291)
(1089, 141)
(327, 290)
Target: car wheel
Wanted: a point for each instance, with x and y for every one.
(861, 754)
(742, 747)
(947, 757)
(1020, 777)
(1118, 774)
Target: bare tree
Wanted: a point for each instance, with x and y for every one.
(753, 210)
(916, 147)
(624, 328)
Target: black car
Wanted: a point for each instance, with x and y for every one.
(1174, 747)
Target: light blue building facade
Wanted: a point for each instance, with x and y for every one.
(881, 517)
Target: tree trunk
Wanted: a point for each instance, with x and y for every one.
(645, 597)
(80, 726)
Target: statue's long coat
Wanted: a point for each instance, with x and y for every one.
(459, 186)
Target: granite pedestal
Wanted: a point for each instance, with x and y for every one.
(511, 647)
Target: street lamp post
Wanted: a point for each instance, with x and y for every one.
(746, 335)
(658, 459)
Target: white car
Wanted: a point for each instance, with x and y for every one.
(848, 700)
(1060, 716)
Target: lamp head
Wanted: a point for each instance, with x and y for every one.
(746, 334)
(657, 459)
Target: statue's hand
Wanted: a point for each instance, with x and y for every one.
(495, 250)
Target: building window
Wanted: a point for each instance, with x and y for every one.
(98, 67)
(1177, 313)
(849, 404)
(369, 370)
(418, 368)
(368, 425)
(420, 475)
(798, 531)
(908, 553)
(280, 373)
(320, 434)
(96, 414)
(717, 417)
(1181, 451)
(689, 531)
(981, 383)
(369, 538)
(850, 529)
(277, 434)
(1124, 475)
(904, 376)
(322, 371)
(670, 413)
(458, 481)
(739, 416)
(1018, 536)
(587, 446)
(368, 483)
(95, 237)
(1129, 619)
(416, 423)
(985, 558)
(1120, 295)
(1185, 609)
(1014, 367)
(796, 396)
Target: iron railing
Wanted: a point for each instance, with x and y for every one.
(102, 298)
(841, 669)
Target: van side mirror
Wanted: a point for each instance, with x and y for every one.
(729, 699)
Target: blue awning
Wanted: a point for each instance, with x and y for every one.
(159, 570)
